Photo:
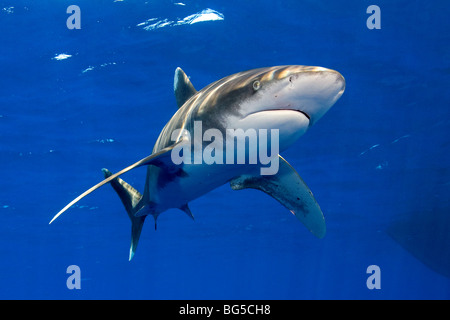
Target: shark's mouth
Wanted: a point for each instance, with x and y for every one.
(302, 112)
(296, 110)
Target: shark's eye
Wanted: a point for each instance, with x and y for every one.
(256, 85)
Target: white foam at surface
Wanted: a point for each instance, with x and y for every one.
(203, 16)
(103, 65)
(62, 56)
(90, 68)
(8, 10)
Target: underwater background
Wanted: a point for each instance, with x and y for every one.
(73, 101)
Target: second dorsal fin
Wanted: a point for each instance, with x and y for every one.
(182, 87)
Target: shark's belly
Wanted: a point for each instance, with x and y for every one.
(196, 181)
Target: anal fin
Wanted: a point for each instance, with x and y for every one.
(288, 188)
(186, 210)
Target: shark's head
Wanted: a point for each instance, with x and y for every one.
(288, 98)
(309, 90)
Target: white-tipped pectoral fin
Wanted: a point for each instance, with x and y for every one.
(291, 191)
(159, 158)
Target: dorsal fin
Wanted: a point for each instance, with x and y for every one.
(182, 87)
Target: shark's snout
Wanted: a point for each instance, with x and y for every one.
(341, 84)
(317, 90)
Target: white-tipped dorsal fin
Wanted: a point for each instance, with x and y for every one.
(182, 87)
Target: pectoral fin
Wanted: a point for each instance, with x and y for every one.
(160, 158)
(291, 191)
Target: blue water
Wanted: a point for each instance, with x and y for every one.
(75, 101)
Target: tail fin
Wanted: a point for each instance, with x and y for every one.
(130, 198)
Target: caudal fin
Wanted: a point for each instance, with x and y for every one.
(130, 198)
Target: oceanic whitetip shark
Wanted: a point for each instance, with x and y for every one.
(289, 99)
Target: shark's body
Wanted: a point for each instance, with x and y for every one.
(287, 98)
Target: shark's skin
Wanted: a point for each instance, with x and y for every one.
(288, 98)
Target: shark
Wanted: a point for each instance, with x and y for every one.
(287, 100)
